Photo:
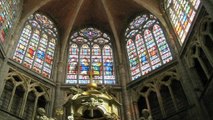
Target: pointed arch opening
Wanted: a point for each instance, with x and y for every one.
(146, 45)
(36, 46)
(90, 52)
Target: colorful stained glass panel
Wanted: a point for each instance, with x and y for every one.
(147, 48)
(8, 15)
(84, 64)
(133, 59)
(162, 44)
(72, 64)
(95, 58)
(36, 46)
(152, 49)
(96, 64)
(142, 54)
(22, 45)
(181, 14)
(109, 75)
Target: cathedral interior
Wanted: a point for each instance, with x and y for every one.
(106, 59)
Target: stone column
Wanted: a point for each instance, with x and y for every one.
(135, 106)
(147, 103)
(24, 103)
(11, 99)
(58, 95)
(160, 101)
(125, 99)
(208, 4)
(35, 107)
(173, 97)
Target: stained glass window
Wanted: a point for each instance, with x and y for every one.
(146, 45)
(36, 46)
(8, 14)
(181, 14)
(90, 53)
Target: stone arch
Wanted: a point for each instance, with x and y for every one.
(17, 102)
(41, 89)
(22, 94)
(198, 60)
(160, 94)
(42, 101)
(192, 52)
(29, 107)
(206, 36)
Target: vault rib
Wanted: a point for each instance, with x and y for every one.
(115, 33)
(65, 37)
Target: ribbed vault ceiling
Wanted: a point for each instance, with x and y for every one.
(111, 16)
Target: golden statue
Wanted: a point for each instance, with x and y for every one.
(92, 103)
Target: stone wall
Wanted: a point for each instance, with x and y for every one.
(7, 116)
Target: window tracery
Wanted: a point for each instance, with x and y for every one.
(22, 95)
(146, 45)
(163, 96)
(36, 46)
(90, 51)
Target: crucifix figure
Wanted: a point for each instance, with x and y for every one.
(93, 102)
(94, 71)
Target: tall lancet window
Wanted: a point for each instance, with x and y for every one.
(90, 54)
(181, 14)
(146, 45)
(8, 15)
(36, 45)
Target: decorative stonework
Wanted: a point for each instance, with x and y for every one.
(27, 91)
(86, 104)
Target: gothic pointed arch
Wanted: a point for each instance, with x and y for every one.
(22, 95)
(146, 45)
(163, 96)
(36, 46)
(90, 50)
